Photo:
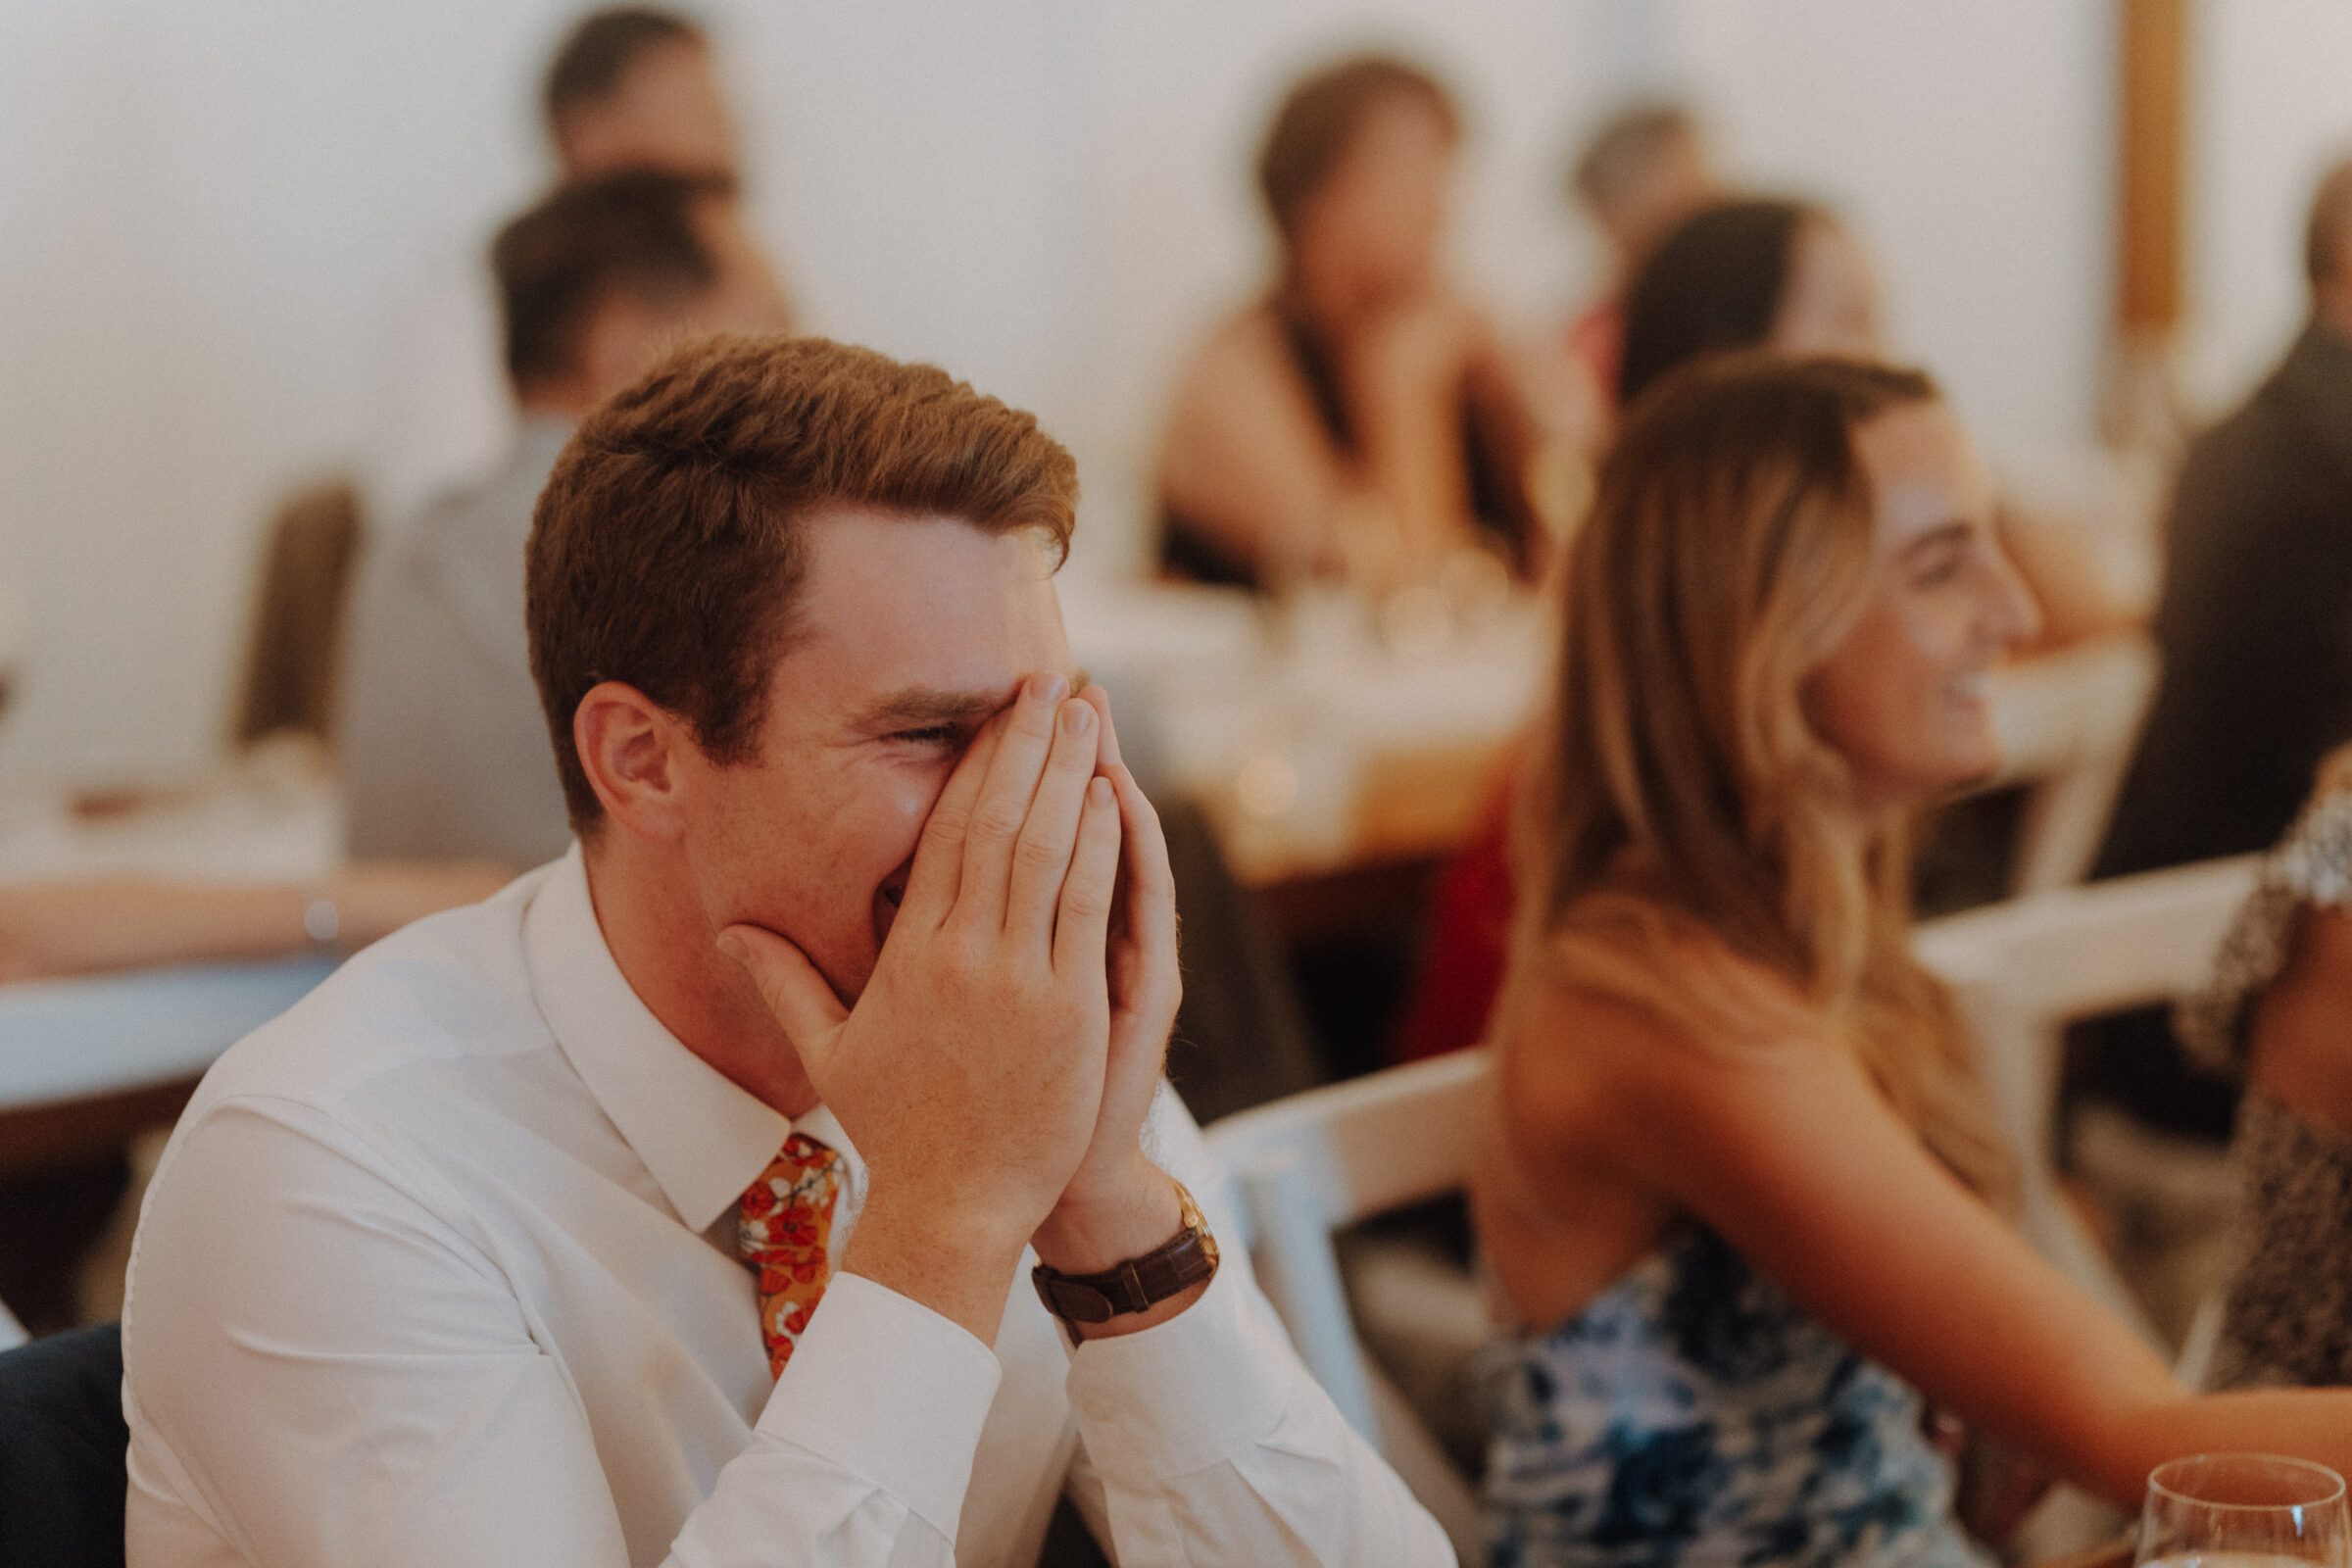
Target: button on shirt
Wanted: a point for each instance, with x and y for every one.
(437, 1270)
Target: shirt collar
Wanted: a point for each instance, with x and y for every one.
(703, 1139)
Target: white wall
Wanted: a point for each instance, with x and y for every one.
(2271, 104)
(207, 212)
(1972, 145)
(204, 213)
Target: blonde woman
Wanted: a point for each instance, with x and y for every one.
(1745, 1197)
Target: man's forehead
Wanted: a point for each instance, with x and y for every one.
(922, 614)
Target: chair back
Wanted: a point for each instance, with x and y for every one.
(2022, 972)
(1308, 1164)
(298, 616)
(2068, 722)
(64, 1450)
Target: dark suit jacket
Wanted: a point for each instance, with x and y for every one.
(2255, 626)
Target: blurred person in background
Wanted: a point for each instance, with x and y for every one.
(1644, 170)
(1793, 277)
(1360, 421)
(1743, 1197)
(636, 87)
(1784, 276)
(2278, 1013)
(443, 750)
(627, 87)
(2254, 631)
(2257, 600)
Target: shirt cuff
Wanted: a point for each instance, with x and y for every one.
(1187, 1393)
(891, 1390)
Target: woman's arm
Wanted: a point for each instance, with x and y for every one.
(1406, 373)
(1793, 1156)
(2299, 1036)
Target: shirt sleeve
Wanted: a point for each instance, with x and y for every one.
(1205, 1439)
(321, 1369)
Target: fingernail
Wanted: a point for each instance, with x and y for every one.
(1048, 688)
(733, 945)
(1077, 717)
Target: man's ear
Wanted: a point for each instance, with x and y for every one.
(633, 749)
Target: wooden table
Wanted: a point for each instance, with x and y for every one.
(87, 1063)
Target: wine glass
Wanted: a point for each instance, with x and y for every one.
(2244, 1510)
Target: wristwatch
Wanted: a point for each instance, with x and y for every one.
(1179, 1263)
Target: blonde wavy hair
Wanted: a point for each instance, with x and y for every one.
(1680, 806)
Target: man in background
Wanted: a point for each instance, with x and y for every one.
(628, 88)
(634, 88)
(2255, 632)
(2255, 623)
(1645, 169)
(444, 754)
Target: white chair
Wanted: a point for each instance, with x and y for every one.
(1311, 1163)
(2021, 971)
(2068, 722)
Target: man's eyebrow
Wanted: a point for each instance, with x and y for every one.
(919, 707)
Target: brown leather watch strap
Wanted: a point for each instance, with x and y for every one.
(1139, 1283)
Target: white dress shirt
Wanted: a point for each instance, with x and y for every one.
(438, 1270)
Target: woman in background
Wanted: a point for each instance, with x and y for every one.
(1744, 1196)
(1359, 421)
(2280, 1012)
(1751, 274)
(1644, 170)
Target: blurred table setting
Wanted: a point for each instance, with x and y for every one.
(1326, 734)
(1329, 735)
(86, 1061)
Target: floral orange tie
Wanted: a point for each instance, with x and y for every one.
(784, 1222)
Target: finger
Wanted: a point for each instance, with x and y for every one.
(1082, 928)
(938, 870)
(1041, 859)
(802, 1002)
(1002, 804)
(1151, 883)
(1109, 747)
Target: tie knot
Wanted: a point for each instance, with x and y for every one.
(790, 1208)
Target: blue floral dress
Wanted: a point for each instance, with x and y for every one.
(1694, 1416)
